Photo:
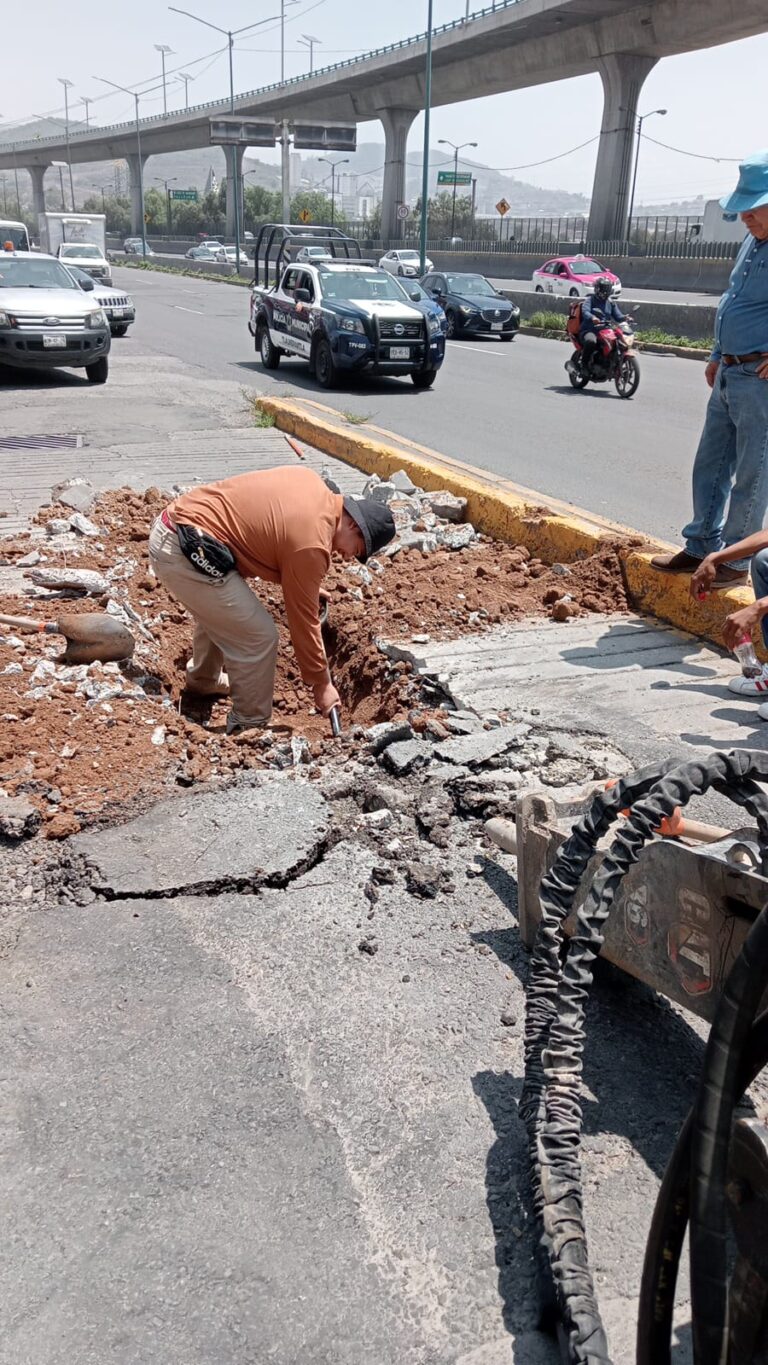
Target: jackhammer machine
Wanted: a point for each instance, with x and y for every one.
(692, 921)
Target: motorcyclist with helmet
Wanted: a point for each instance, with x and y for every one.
(597, 310)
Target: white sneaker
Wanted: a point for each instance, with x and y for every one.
(762, 711)
(750, 687)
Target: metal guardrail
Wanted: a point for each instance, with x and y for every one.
(154, 119)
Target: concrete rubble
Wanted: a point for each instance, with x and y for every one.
(425, 521)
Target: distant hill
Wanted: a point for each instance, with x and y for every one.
(190, 169)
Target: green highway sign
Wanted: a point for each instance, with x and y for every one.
(454, 177)
(188, 196)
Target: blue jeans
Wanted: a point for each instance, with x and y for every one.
(760, 585)
(731, 463)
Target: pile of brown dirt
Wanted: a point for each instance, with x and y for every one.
(85, 743)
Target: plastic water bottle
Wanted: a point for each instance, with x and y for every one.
(745, 653)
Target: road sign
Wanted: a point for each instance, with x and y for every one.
(305, 216)
(231, 130)
(454, 177)
(187, 196)
(331, 137)
(502, 207)
(402, 211)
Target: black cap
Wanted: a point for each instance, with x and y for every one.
(375, 521)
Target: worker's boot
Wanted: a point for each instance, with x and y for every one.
(235, 726)
(219, 688)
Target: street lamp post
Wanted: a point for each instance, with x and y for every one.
(60, 165)
(230, 35)
(135, 96)
(640, 121)
(186, 79)
(159, 181)
(164, 51)
(307, 40)
(103, 200)
(425, 158)
(67, 87)
(285, 144)
(446, 142)
(341, 161)
(86, 100)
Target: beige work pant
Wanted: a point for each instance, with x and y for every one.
(231, 627)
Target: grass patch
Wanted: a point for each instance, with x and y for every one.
(355, 419)
(180, 270)
(553, 325)
(260, 418)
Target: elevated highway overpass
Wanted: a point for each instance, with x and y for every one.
(510, 45)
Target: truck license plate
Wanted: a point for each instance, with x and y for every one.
(496, 326)
(51, 341)
(399, 353)
(118, 312)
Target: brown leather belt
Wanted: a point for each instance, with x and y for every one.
(745, 359)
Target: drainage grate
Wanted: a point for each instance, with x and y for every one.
(41, 442)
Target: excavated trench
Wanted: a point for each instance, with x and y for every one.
(95, 743)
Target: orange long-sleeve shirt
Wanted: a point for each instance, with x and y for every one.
(279, 524)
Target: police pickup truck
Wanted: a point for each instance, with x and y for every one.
(351, 318)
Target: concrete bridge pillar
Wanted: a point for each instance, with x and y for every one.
(623, 75)
(397, 124)
(135, 185)
(37, 176)
(234, 157)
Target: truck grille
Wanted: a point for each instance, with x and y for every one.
(411, 331)
(114, 301)
(41, 322)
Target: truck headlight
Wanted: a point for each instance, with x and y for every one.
(5, 321)
(435, 325)
(97, 318)
(352, 325)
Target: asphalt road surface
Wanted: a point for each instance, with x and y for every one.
(506, 408)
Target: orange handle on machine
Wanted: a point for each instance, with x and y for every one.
(675, 827)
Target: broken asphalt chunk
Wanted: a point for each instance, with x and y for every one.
(472, 751)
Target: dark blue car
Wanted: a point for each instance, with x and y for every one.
(472, 306)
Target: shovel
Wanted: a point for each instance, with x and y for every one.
(89, 635)
(334, 715)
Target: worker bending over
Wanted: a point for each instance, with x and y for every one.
(280, 525)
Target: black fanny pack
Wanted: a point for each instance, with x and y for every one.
(205, 553)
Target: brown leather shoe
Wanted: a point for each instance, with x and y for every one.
(727, 577)
(680, 562)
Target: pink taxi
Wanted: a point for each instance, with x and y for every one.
(572, 277)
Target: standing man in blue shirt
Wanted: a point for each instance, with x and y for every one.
(730, 471)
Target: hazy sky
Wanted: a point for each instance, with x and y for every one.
(715, 98)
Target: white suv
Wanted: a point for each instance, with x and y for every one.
(404, 262)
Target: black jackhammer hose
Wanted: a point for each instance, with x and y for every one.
(556, 999)
(670, 1220)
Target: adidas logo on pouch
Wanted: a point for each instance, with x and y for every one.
(200, 560)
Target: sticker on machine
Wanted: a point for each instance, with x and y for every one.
(637, 920)
(688, 942)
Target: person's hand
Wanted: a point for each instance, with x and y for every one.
(703, 577)
(326, 697)
(762, 369)
(710, 374)
(741, 623)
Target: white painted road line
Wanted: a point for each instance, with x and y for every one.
(476, 350)
(181, 309)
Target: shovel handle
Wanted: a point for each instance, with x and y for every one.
(26, 623)
(334, 716)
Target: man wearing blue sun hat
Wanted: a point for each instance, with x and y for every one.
(730, 471)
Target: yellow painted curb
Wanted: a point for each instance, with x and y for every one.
(555, 531)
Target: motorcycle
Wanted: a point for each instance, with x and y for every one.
(614, 359)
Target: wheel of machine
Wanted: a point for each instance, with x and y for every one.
(424, 379)
(270, 356)
(573, 293)
(120, 330)
(450, 323)
(628, 376)
(326, 371)
(98, 371)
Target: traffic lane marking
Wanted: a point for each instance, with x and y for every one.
(181, 309)
(476, 350)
